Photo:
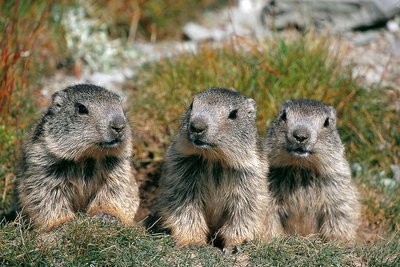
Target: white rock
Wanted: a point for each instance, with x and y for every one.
(196, 32)
(388, 182)
(396, 172)
(393, 26)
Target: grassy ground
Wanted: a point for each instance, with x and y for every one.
(92, 242)
(270, 72)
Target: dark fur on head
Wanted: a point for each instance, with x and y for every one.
(309, 175)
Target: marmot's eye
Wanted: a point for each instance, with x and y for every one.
(82, 109)
(233, 114)
(283, 116)
(326, 123)
(191, 106)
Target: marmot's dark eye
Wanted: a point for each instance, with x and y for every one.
(326, 123)
(82, 109)
(233, 114)
(191, 106)
(283, 116)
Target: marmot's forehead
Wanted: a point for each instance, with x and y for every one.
(218, 96)
(306, 107)
(90, 93)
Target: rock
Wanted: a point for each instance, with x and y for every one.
(196, 32)
(388, 182)
(365, 38)
(396, 172)
(393, 26)
(334, 15)
(356, 168)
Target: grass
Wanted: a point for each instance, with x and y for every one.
(94, 242)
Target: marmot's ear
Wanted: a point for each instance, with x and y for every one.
(332, 115)
(285, 104)
(251, 107)
(57, 101)
(251, 104)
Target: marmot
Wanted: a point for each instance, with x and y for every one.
(77, 158)
(309, 176)
(213, 184)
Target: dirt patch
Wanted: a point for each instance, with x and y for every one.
(148, 178)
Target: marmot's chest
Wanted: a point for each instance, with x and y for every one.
(299, 195)
(219, 186)
(82, 179)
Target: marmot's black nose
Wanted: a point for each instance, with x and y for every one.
(198, 125)
(301, 135)
(118, 124)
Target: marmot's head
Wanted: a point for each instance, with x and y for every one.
(85, 120)
(220, 123)
(303, 133)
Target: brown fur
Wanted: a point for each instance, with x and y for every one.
(214, 177)
(309, 175)
(77, 158)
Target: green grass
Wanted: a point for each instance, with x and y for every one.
(87, 241)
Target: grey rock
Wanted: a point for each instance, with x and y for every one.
(335, 15)
(366, 37)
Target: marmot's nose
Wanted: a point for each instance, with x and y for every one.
(301, 135)
(198, 125)
(118, 124)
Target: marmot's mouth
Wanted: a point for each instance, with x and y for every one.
(201, 144)
(111, 144)
(299, 152)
